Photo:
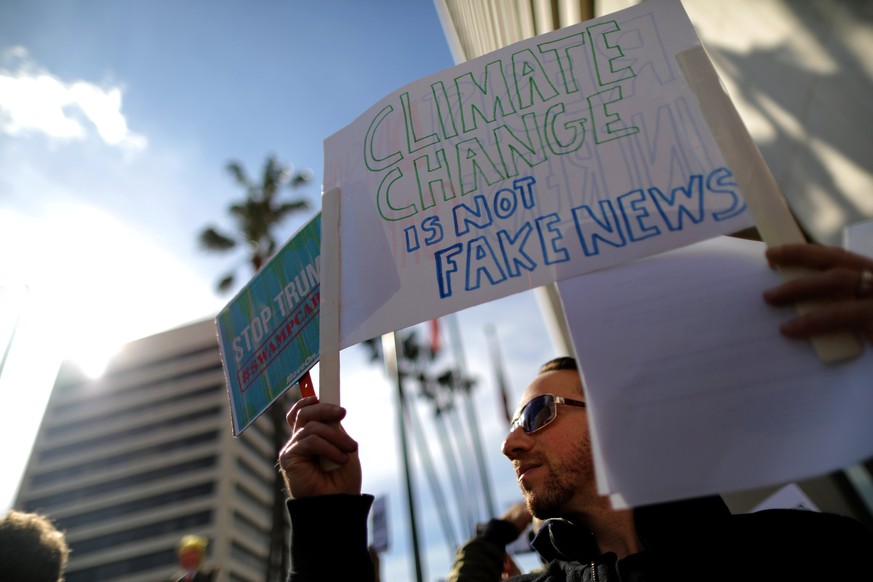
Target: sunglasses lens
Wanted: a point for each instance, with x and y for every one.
(538, 413)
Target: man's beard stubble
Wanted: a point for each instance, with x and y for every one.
(565, 481)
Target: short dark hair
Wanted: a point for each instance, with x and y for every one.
(31, 548)
(558, 364)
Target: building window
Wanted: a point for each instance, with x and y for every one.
(135, 506)
(250, 530)
(253, 502)
(127, 434)
(246, 468)
(178, 524)
(60, 499)
(163, 558)
(247, 557)
(132, 411)
(248, 441)
(132, 458)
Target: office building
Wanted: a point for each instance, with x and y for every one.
(129, 463)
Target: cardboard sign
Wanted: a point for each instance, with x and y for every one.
(268, 333)
(556, 156)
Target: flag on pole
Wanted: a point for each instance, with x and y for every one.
(499, 373)
(435, 343)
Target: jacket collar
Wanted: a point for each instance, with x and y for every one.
(664, 527)
(559, 539)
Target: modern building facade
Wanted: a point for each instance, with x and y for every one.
(129, 463)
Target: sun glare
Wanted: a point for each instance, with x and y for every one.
(94, 359)
(97, 283)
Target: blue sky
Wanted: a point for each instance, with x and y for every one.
(116, 122)
(201, 83)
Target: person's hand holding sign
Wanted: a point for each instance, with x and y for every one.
(318, 435)
(844, 278)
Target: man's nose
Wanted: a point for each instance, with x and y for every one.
(515, 443)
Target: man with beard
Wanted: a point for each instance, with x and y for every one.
(586, 540)
(550, 448)
(583, 538)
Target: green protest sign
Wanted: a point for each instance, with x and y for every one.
(268, 333)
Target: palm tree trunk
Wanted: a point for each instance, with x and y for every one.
(277, 559)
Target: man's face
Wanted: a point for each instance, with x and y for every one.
(553, 465)
(190, 558)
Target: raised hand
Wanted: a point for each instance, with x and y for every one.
(316, 435)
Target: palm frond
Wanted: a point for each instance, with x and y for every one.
(302, 177)
(225, 283)
(238, 172)
(275, 174)
(287, 208)
(239, 210)
(212, 240)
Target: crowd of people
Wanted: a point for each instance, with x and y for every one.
(33, 549)
(580, 537)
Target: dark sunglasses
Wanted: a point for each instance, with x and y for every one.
(540, 411)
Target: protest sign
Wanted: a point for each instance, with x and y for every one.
(556, 156)
(268, 333)
(691, 388)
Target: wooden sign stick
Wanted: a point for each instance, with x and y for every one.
(329, 313)
(329, 307)
(760, 189)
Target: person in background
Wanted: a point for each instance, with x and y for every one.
(484, 557)
(31, 548)
(191, 551)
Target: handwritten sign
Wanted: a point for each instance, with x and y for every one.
(268, 333)
(569, 152)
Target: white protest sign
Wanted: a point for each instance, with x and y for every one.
(692, 390)
(560, 155)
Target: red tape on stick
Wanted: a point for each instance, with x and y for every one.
(306, 387)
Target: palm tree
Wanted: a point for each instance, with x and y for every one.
(256, 217)
(257, 214)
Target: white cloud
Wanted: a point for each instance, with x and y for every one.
(32, 100)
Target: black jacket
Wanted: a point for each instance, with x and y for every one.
(694, 540)
(699, 540)
(329, 539)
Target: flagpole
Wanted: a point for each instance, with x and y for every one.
(470, 410)
(390, 349)
(450, 456)
(499, 375)
(421, 444)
